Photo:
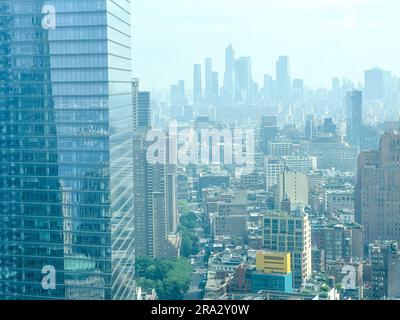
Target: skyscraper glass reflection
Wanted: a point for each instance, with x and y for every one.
(66, 185)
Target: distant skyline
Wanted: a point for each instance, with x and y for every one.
(324, 38)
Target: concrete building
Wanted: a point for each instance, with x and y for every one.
(338, 200)
(378, 190)
(385, 269)
(291, 233)
(339, 241)
(273, 262)
(300, 163)
(280, 148)
(230, 220)
(273, 169)
(154, 206)
(331, 154)
(294, 186)
(354, 124)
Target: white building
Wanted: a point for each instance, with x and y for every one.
(293, 185)
(300, 163)
(273, 168)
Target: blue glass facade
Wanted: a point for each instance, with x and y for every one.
(66, 185)
(271, 282)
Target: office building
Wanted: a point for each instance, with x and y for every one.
(155, 211)
(374, 85)
(215, 87)
(66, 193)
(293, 186)
(273, 169)
(354, 118)
(143, 110)
(300, 163)
(273, 262)
(231, 218)
(277, 282)
(135, 102)
(209, 81)
(228, 90)
(243, 80)
(269, 89)
(269, 132)
(280, 148)
(377, 191)
(385, 270)
(298, 90)
(282, 233)
(197, 86)
(331, 154)
(309, 130)
(283, 80)
(177, 99)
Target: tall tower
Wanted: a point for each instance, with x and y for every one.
(228, 91)
(355, 117)
(215, 92)
(377, 190)
(374, 85)
(154, 189)
(283, 80)
(209, 80)
(143, 112)
(66, 191)
(155, 205)
(243, 80)
(197, 86)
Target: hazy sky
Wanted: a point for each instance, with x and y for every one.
(324, 38)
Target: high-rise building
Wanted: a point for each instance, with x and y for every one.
(283, 80)
(283, 232)
(309, 130)
(336, 95)
(377, 191)
(385, 269)
(209, 80)
(374, 84)
(228, 90)
(154, 219)
(178, 99)
(354, 117)
(197, 86)
(298, 90)
(273, 272)
(215, 88)
(230, 220)
(300, 163)
(294, 186)
(269, 132)
(273, 169)
(268, 90)
(143, 111)
(243, 80)
(329, 127)
(135, 102)
(66, 185)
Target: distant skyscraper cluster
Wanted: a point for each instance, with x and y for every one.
(84, 206)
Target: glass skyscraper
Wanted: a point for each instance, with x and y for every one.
(66, 184)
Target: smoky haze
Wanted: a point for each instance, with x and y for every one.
(323, 38)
